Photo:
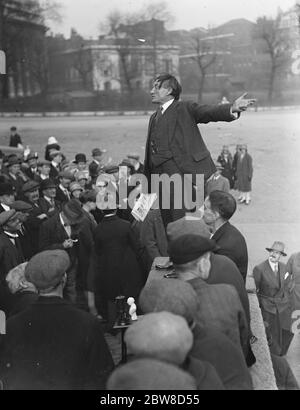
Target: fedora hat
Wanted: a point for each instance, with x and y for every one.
(79, 158)
(278, 247)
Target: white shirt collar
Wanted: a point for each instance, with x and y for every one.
(11, 235)
(48, 199)
(43, 177)
(63, 188)
(5, 207)
(97, 162)
(273, 265)
(211, 236)
(166, 105)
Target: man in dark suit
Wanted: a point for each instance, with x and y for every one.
(11, 253)
(273, 285)
(174, 144)
(62, 232)
(62, 347)
(219, 305)
(7, 196)
(15, 139)
(62, 191)
(47, 202)
(56, 159)
(32, 170)
(219, 207)
(96, 165)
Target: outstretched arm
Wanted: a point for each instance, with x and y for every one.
(242, 103)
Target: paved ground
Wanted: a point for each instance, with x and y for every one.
(273, 140)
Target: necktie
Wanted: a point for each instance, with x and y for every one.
(276, 270)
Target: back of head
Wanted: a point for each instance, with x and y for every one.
(224, 203)
(175, 296)
(149, 374)
(73, 211)
(46, 269)
(161, 336)
(168, 80)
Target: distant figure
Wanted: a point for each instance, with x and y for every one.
(244, 173)
(51, 145)
(225, 159)
(217, 182)
(15, 139)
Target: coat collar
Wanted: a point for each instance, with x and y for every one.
(219, 232)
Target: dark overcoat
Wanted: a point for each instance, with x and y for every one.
(244, 173)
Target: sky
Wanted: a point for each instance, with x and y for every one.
(85, 15)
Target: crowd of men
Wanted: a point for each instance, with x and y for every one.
(67, 251)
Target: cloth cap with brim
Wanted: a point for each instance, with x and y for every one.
(97, 152)
(46, 269)
(13, 161)
(52, 140)
(218, 165)
(188, 248)
(81, 175)
(80, 158)
(54, 153)
(185, 226)
(161, 335)
(32, 155)
(111, 169)
(175, 296)
(44, 162)
(47, 184)
(74, 186)
(73, 211)
(133, 156)
(150, 374)
(66, 175)
(30, 186)
(6, 189)
(21, 206)
(278, 247)
(7, 216)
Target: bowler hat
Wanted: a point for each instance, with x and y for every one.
(80, 158)
(73, 211)
(30, 186)
(21, 206)
(6, 189)
(47, 184)
(150, 374)
(46, 269)
(98, 152)
(188, 248)
(6, 216)
(278, 247)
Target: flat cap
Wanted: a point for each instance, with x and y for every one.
(44, 162)
(163, 336)
(111, 169)
(66, 175)
(150, 374)
(133, 156)
(21, 206)
(32, 155)
(186, 226)
(47, 184)
(46, 269)
(30, 186)
(74, 186)
(81, 175)
(97, 152)
(73, 211)
(188, 248)
(54, 152)
(6, 189)
(6, 216)
(175, 296)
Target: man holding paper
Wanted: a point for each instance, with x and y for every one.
(174, 143)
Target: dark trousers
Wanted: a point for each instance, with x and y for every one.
(173, 213)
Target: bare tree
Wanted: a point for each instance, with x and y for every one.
(83, 64)
(204, 56)
(276, 44)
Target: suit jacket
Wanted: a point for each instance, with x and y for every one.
(61, 196)
(185, 141)
(233, 245)
(220, 184)
(47, 209)
(63, 348)
(220, 307)
(223, 270)
(273, 293)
